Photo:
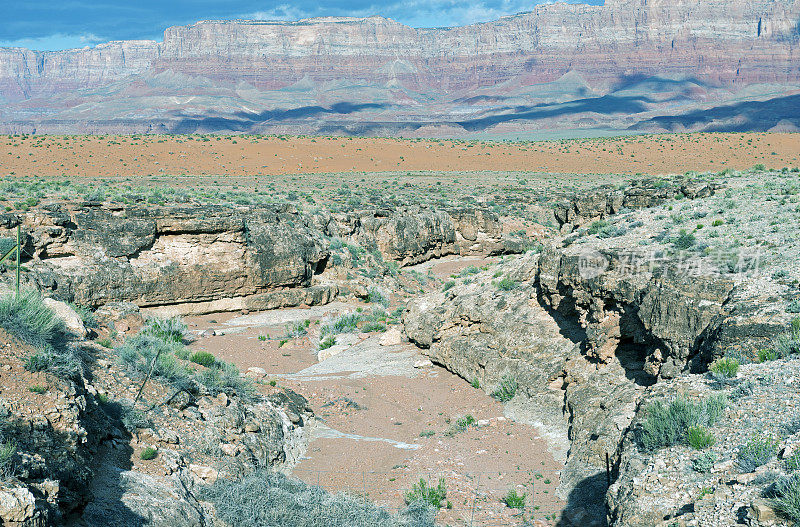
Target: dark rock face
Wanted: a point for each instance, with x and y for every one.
(218, 258)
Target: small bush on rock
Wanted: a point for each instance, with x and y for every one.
(263, 499)
(514, 500)
(8, 458)
(427, 493)
(704, 462)
(507, 284)
(507, 389)
(699, 438)
(167, 329)
(787, 497)
(148, 453)
(756, 452)
(327, 342)
(725, 367)
(30, 320)
(668, 425)
(203, 358)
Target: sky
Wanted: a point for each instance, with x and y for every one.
(64, 24)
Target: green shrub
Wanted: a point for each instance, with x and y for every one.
(465, 422)
(148, 453)
(787, 497)
(203, 358)
(699, 438)
(684, 240)
(431, 495)
(506, 390)
(507, 284)
(137, 354)
(793, 462)
(133, 419)
(449, 285)
(87, 316)
(704, 462)
(788, 344)
(172, 330)
(759, 450)
(725, 367)
(793, 306)
(37, 388)
(225, 378)
(374, 296)
(597, 226)
(263, 499)
(8, 459)
(297, 329)
(668, 425)
(513, 500)
(460, 425)
(27, 318)
(349, 323)
(765, 355)
(370, 327)
(327, 342)
(476, 383)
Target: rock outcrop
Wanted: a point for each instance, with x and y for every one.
(588, 52)
(73, 446)
(585, 344)
(205, 259)
(601, 203)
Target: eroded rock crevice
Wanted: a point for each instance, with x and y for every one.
(585, 350)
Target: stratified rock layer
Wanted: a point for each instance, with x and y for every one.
(209, 259)
(224, 66)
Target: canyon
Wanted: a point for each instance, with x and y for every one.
(627, 66)
(576, 314)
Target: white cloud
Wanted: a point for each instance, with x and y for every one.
(53, 42)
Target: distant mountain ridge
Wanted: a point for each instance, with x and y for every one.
(630, 64)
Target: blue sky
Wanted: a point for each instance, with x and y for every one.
(62, 24)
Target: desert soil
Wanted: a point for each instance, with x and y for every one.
(131, 156)
(383, 423)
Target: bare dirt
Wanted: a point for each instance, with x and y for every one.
(132, 156)
(383, 424)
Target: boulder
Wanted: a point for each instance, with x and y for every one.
(66, 314)
(331, 352)
(18, 506)
(392, 337)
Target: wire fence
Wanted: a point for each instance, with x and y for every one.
(474, 499)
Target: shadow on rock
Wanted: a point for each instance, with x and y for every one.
(586, 503)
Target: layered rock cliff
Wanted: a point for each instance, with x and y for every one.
(692, 48)
(214, 258)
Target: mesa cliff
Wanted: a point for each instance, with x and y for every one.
(627, 64)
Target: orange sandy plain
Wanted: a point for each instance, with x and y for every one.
(141, 155)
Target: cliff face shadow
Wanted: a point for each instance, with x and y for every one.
(104, 492)
(244, 121)
(60, 458)
(586, 503)
(748, 116)
(606, 105)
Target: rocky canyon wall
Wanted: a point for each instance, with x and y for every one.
(708, 44)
